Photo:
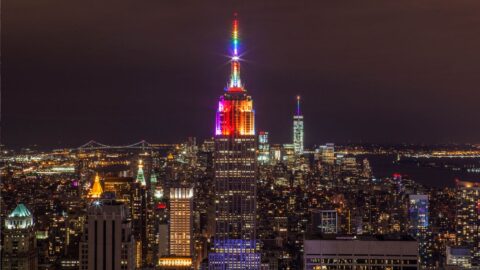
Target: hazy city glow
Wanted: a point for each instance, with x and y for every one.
(239, 199)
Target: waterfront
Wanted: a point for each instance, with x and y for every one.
(438, 172)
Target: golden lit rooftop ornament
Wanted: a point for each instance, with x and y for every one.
(96, 190)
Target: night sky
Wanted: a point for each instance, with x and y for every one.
(120, 71)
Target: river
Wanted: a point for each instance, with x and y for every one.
(434, 172)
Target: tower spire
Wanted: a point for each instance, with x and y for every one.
(235, 82)
(140, 175)
(298, 105)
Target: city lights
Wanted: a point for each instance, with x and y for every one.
(254, 195)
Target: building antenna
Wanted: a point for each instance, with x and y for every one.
(298, 105)
(235, 81)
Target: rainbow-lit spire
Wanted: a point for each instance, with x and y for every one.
(235, 82)
(235, 115)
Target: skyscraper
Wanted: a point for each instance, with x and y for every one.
(325, 154)
(468, 218)
(140, 218)
(418, 214)
(235, 174)
(298, 130)
(19, 248)
(181, 229)
(107, 242)
(418, 225)
(181, 221)
(263, 148)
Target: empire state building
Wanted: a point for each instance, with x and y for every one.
(235, 174)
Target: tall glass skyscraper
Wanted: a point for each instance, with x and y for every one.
(418, 213)
(298, 130)
(419, 226)
(263, 148)
(235, 174)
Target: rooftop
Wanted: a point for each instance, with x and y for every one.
(344, 237)
(20, 211)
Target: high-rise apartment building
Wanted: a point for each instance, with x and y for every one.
(19, 251)
(107, 242)
(419, 226)
(181, 221)
(263, 148)
(298, 130)
(418, 214)
(180, 229)
(326, 154)
(468, 218)
(235, 175)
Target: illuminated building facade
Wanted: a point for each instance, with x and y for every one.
(458, 257)
(263, 148)
(298, 130)
(275, 154)
(175, 263)
(180, 230)
(140, 174)
(96, 190)
(360, 252)
(288, 153)
(107, 242)
(235, 175)
(181, 222)
(418, 214)
(121, 187)
(19, 250)
(140, 218)
(325, 221)
(418, 224)
(325, 154)
(468, 218)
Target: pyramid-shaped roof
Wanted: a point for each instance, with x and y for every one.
(140, 175)
(20, 211)
(96, 190)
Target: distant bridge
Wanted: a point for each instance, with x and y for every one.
(94, 145)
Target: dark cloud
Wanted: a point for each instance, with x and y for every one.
(120, 71)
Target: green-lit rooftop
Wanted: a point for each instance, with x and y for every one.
(20, 211)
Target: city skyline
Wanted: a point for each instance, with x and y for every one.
(88, 80)
(237, 192)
